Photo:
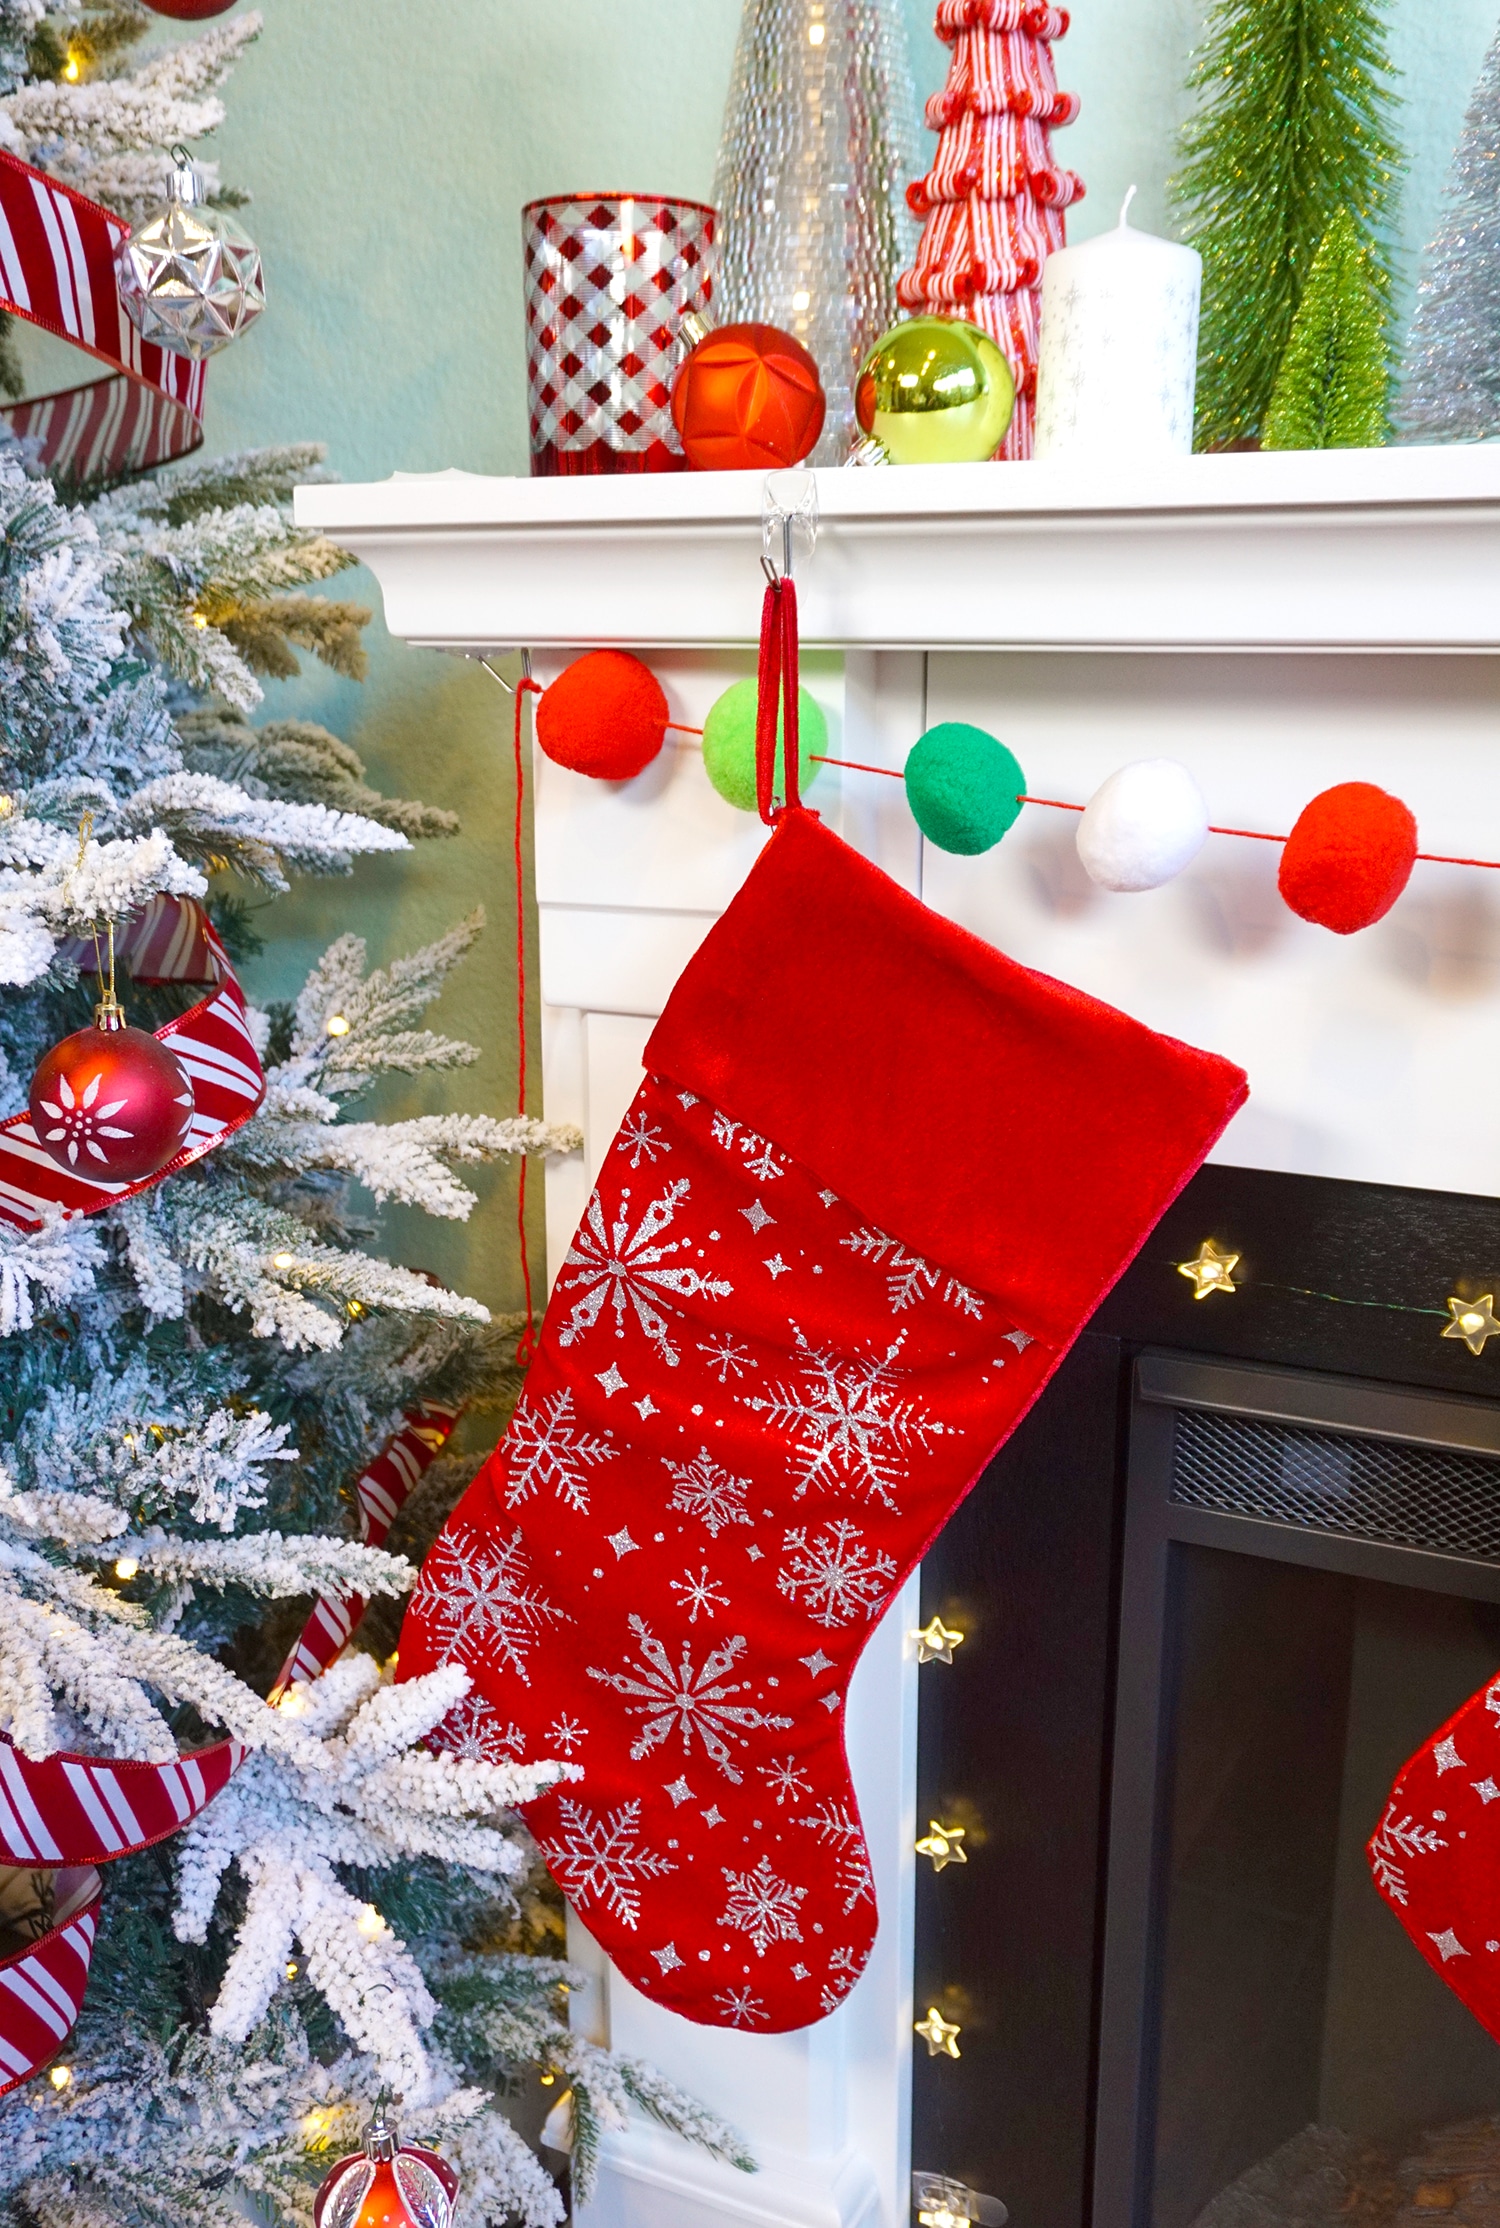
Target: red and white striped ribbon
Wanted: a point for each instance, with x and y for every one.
(57, 270)
(380, 1492)
(174, 937)
(89, 1809)
(41, 1991)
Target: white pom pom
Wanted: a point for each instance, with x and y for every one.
(1142, 826)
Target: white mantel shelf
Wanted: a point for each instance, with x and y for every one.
(1332, 550)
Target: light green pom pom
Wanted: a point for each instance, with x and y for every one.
(729, 745)
(964, 787)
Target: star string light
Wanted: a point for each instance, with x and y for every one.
(944, 1844)
(939, 2034)
(936, 1642)
(1473, 1321)
(1210, 1270)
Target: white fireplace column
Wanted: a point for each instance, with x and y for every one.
(1278, 622)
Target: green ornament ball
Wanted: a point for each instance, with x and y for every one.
(729, 745)
(964, 787)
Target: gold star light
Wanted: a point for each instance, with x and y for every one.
(1210, 1270)
(936, 1642)
(939, 2034)
(944, 1844)
(1473, 1321)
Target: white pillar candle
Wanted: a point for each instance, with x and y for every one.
(1119, 347)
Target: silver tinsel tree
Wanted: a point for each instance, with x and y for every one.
(1450, 374)
(820, 138)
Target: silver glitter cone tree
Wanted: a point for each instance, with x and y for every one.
(1450, 372)
(820, 136)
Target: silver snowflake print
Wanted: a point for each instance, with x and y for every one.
(740, 2007)
(764, 1906)
(1394, 1844)
(835, 1824)
(472, 1730)
(785, 1780)
(848, 1427)
(702, 1704)
(641, 1140)
(725, 1357)
(546, 1448)
(633, 1271)
(598, 1858)
(760, 1155)
(705, 1489)
(565, 1733)
(909, 1279)
(700, 1595)
(473, 1593)
(833, 1575)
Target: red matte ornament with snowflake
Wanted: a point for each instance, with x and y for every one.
(840, 1243)
(111, 1102)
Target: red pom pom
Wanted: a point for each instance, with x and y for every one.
(189, 11)
(1349, 857)
(111, 1103)
(605, 716)
(748, 396)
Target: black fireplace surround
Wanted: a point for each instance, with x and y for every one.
(1242, 1557)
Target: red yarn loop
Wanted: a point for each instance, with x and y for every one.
(605, 716)
(1349, 857)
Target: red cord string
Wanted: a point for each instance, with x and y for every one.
(526, 1344)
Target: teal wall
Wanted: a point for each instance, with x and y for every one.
(389, 145)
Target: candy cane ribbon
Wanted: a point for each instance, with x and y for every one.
(380, 1492)
(57, 270)
(65, 1811)
(171, 940)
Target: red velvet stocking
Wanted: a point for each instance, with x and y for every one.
(875, 1182)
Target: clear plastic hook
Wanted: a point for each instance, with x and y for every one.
(788, 519)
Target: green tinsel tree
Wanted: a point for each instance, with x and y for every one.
(1293, 125)
(1330, 392)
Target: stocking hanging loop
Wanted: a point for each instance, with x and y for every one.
(789, 518)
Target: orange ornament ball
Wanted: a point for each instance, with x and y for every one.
(747, 397)
(1349, 857)
(605, 716)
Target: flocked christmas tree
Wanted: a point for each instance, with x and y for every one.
(1330, 392)
(1293, 125)
(1450, 372)
(192, 1381)
(993, 201)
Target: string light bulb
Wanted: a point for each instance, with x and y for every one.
(291, 1968)
(72, 69)
(1473, 1321)
(1210, 1270)
(944, 1844)
(126, 1569)
(370, 1923)
(60, 2076)
(937, 1641)
(337, 1025)
(283, 1260)
(939, 2034)
(200, 622)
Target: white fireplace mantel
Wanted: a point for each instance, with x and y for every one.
(1089, 620)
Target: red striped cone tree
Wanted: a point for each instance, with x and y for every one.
(992, 204)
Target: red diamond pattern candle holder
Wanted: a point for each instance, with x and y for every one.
(609, 279)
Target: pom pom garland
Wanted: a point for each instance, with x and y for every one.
(1349, 857)
(964, 787)
(605, 716)
(1142, 826)
(729, 745)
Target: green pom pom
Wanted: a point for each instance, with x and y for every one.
(729, 745)
(963, 787)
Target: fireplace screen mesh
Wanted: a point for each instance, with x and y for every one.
(1372, 1489)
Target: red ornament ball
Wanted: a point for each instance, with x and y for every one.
(389, 2184)
(189, 11)
(111, 1103)
(1349, 857)
(605, 716)
(748, 396)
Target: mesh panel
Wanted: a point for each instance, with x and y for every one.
(1370, 1488)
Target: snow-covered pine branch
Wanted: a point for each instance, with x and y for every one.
(403, 1161)
(372, 1013)
(59, 1261)
(262, 837)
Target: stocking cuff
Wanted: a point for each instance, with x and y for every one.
(1011, 1130)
